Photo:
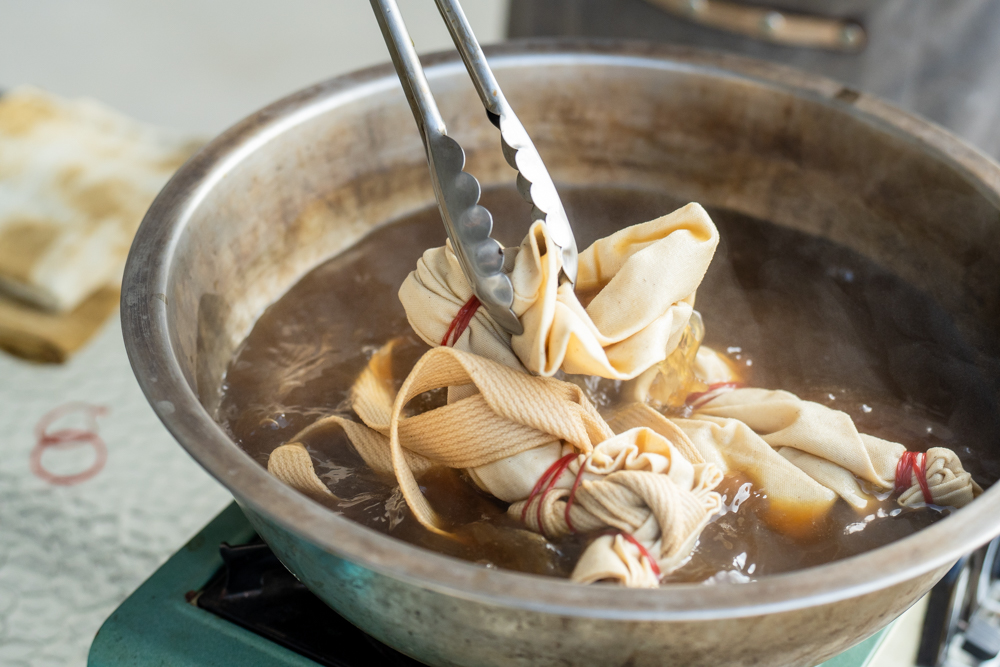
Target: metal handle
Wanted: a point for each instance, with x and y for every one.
(411, 74)
(472, 55)
(771, 25)
(467, 224)
(533, 180)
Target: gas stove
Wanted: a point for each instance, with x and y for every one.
(225, 599)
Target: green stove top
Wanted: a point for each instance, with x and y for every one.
(161, 624)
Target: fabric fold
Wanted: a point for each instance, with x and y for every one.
(815, 431)
(639, 284)
(535, 442)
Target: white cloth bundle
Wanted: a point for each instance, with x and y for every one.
(802, 454)
(508, 434)
(77, 179)
(642, 278)
(825, 445)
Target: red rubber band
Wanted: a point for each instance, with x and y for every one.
(538, 487)
(913, 464)
(471, 306)
(461, 321)
(921, 469)
(92, 412)
(563, 464)
(554, 471)
(694, 400)
(645, 552)
(572, 496)
(903, 469)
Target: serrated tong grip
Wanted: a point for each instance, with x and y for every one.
(468, 224)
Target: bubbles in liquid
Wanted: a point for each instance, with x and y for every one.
(738, 499)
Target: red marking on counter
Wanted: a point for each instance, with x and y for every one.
(68, 438)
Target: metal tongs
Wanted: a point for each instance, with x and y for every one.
(468, 224)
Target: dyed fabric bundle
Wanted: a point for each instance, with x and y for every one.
(640, 479)
(76, 178)
(806, 454)
(539, 444)
(642, 281)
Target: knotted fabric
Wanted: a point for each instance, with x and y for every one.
(801, 454)
(507, 434)
(641, 282)
(825, 444)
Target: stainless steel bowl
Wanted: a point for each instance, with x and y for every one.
(306, 177)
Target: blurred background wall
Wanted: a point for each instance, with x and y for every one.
(201, 65)
(937, 58)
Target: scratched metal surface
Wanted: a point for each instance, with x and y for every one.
(69, 554)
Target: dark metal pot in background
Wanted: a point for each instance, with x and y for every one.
(306, 177)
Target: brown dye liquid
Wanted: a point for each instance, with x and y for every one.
(795, 311)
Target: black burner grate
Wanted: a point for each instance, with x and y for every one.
(254, 590)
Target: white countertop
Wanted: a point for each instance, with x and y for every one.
(70, 554)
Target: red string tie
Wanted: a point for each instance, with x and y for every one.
(547, 480)
(572, 496)
(913, 464)
(461, 321)
(645, 553)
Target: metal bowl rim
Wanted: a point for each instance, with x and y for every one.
(157, 370)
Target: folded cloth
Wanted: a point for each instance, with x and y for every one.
(639, 283)
(76, 179)
(48, 337)
(801, 454)
(539, 444)
(826, 445)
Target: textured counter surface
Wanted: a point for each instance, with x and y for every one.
(70, 554)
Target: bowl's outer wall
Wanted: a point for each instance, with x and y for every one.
(307, 177)
(448, 630)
